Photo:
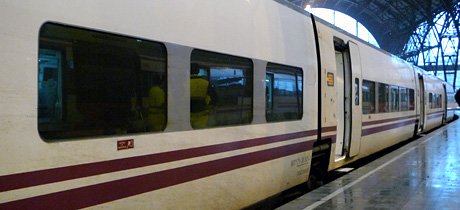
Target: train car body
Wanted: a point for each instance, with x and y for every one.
(221, 167)
(97, 105)
(372, 122)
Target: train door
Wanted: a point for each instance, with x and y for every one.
(444, 102)
(421, 102)
(356, 109)
(348, 87)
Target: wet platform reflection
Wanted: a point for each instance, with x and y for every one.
(424, 174)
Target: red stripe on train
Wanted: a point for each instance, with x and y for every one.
(387, 120)
(369, 131)
(114, 190)
(34, 178)
(434, 115)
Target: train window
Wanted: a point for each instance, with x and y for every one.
(435, 100)
(430, 99)
(439, 101)
(221, 90)
(94, 84)
(384, 92)
(411, 99)
(284, 90)
(394, 98)
(404, 96)
(368, 97)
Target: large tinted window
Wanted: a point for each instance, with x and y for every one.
(221, 90)
(284, 88)
(92, 83)
(368, 97)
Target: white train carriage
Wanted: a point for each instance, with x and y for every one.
(98, 106)
(371, 102)
(432, 108)
(373, 98)
(76, 132)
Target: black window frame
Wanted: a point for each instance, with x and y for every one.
(216, 115)
(383, 99)
(271, 110)
(369, 96)
(85, 88)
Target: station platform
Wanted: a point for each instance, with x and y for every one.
(424, 174)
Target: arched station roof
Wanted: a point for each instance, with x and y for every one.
(391, 22)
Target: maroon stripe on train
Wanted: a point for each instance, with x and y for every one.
(438, 112)
(369, 131)
(34, 178)
(328, 129)
(435, 115)
(387, 120)
(114, 190)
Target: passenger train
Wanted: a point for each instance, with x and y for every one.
(96, 106)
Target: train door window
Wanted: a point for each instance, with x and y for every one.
(356, 91)
(284, 93)
(384, 92)
(95, 84)
(411, 99)
(223, 93)
(404, 96)
(368, 97)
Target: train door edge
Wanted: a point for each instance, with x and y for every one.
(421, 102)
(444, 102)
(348, 88)
(356, 126)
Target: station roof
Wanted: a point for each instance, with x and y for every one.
(391, 22)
